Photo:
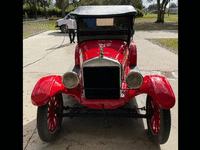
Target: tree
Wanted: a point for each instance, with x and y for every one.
(172, 5)
(44, 4)
(62, 4)
(137, 4)
(160, 10)
(152, 7)
(33, 5)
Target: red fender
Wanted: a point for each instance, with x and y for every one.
(159, 88)
(45, 88)
(132, 53)
(77, 58)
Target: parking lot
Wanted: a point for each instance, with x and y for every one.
(50, 53)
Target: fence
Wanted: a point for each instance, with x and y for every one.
(34, 27)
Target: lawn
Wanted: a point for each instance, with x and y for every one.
(31, 28)
(168, 43)
(147, 22)
(148, 17)
(52, 24)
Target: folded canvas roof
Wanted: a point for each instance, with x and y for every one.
(104, 10)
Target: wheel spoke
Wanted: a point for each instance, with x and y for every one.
(56, 121)
(53, 120)
(50, 125)
(155, 118)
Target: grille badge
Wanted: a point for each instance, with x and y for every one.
(101, 51)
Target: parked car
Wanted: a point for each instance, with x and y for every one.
(61, 23)
(104, 78)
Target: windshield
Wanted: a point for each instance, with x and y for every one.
(104, 28)
(116, 23)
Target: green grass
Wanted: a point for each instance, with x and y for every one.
(31, 28)
(154, 17)
(147, 22)
(171, 18)
(171, 43)
(52, 24)
(27, 34)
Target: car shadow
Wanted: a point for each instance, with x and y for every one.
(64, 40)
(57, 47)
(92, 133)
(59, 33)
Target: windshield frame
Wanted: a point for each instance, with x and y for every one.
(101, 33)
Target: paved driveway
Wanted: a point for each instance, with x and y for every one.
(42, 56)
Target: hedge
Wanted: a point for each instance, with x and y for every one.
(140, 13)
(28, 12)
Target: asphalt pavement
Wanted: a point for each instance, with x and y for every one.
(50, 53)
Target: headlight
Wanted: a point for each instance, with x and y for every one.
(70, 80)
(134, 80)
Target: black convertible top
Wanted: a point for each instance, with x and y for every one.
(104, 10)
(104, 22)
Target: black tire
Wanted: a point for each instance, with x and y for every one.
(43, 119)
(63, 28)
(161, 135)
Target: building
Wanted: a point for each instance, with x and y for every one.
(173, 10)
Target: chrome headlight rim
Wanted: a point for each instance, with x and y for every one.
(137, 74)
(72, 74)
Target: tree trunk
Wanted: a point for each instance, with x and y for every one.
(162, 16)
(158, 12)
(45, 11)
(63, 8)
(161, 10)
(35, 12)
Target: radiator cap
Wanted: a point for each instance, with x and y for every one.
(101, 51)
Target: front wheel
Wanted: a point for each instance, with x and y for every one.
(159, 123)
(63, 28)
(48, 123)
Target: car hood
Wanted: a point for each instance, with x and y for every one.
(115, 49)
(60, 19)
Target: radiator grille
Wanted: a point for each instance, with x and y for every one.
(102, 82)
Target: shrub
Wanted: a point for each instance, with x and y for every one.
(27, 10)
(140, 13)
(25, 15)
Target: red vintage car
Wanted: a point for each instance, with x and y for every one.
(105, 77)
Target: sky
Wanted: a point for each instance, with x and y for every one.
(146, 3)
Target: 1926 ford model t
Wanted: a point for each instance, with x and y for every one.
(105, 77)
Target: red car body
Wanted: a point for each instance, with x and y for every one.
(105, 77)
(157, 86)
